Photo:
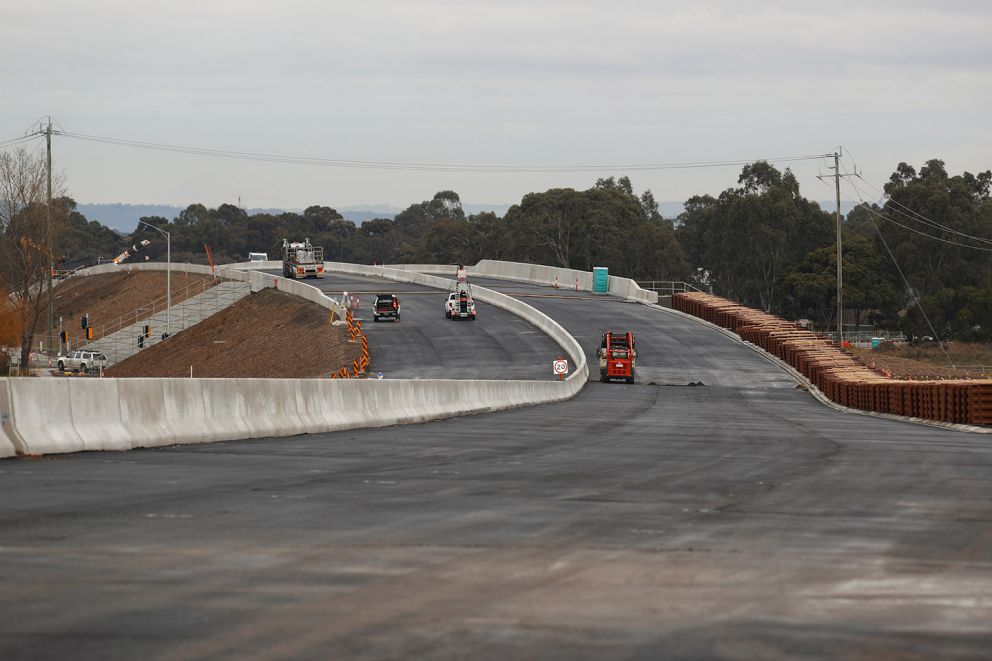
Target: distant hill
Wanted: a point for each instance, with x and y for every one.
(124, 217)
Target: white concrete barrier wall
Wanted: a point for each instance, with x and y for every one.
(242, 272)
(61, 415)
(9, 443)
(517, 271)
(540, 275)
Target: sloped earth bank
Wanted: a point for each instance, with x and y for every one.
(267, 334)
(972, 361)
(110, 296)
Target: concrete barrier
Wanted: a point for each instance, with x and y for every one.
(96, 413)
(538, 274)
(154, 412)
(9, 443)
(42, 415)
(61, 415)
(242, 272)
(516, 271)
(627, 288)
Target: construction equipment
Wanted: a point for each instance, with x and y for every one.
(460, 304)
(302, 260)
(617, 356)
(387, 306)
(124, 256)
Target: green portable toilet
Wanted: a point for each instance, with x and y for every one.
(601, 279)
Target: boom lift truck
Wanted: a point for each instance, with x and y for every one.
(617, 356)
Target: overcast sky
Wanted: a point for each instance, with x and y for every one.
(536, 82)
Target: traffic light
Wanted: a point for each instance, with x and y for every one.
(84, 321)
(89, 333)
(63, 337)
(141, 341)
(148, 330)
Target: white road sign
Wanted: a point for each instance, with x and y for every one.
(561, 367)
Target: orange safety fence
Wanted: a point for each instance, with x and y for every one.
(839, 375)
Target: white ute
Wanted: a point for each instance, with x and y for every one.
(460, 304)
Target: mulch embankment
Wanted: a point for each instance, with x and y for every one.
(268, 334)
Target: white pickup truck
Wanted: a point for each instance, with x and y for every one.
(81, 361)
(460, 304)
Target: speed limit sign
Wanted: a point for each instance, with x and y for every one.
(561, 367)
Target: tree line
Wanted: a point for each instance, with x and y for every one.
(924, 254)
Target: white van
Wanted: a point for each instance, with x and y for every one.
(258, 257)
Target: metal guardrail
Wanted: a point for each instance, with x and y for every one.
(121, 344)
(667, 287)
(77, 340)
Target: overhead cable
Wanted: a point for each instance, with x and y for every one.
(916, 216)
(905, 280)
(16, 141)
(425, 167)
(913, 229)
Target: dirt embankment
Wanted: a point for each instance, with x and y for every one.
(929, 361)
(268, 334)
(110, 296)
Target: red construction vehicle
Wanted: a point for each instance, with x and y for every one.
(617, 356)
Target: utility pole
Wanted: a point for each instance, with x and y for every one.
(50, 240)
(840, 258)
(840, 251)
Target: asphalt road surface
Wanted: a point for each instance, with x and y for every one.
(426, 345)
(736, 519)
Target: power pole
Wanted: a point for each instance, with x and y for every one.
(840, 252)
(840, 258)
(50, 241)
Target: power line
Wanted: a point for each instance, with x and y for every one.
(423, 167)
(16, 141)
(912, 229)
(902, 275)
(920, 218)
(912, 293)
(915, 216)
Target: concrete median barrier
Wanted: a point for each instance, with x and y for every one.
(42, 415)
(58, 415)
(96, 413)
(9, 443)
(539, 275)
(242, 272)
(119, 414)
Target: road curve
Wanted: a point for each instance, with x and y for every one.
(426, 345)
(735, 519)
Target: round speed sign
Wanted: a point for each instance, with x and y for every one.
(561, 367)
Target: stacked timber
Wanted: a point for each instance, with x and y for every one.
(839, 375)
